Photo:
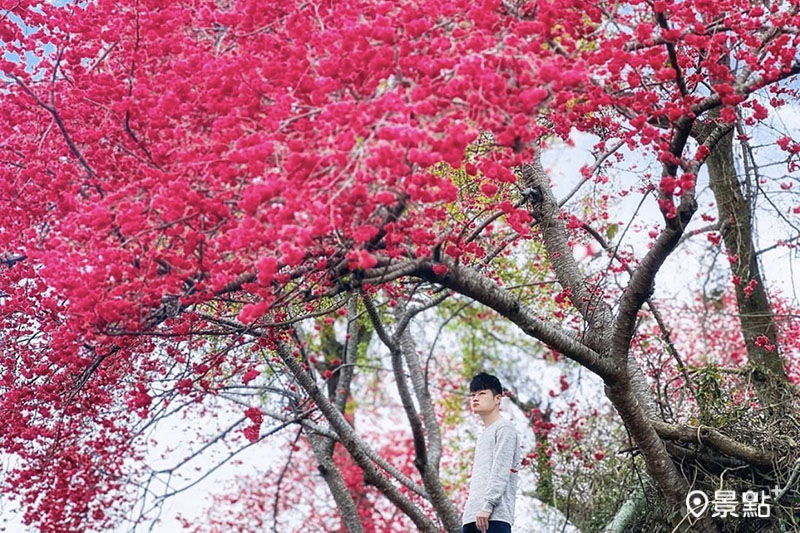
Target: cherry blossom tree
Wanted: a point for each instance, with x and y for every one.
(194, 193)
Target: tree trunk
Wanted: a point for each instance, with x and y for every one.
(429, 470)
(626, 386)
(323, 451)
(755, 312)
(626, 513)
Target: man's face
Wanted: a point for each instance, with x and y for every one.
(483, 401)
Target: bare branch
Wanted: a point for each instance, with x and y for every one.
(52, 110)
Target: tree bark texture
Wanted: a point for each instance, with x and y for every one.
(756, 318)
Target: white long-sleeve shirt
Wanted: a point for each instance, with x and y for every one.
(493, 486)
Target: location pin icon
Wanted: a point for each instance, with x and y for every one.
(697, 503)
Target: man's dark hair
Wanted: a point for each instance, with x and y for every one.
(483, 381)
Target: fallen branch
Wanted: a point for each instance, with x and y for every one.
(708, 436)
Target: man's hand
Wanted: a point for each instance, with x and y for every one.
(482, 520)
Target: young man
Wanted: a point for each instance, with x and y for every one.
(493, 486)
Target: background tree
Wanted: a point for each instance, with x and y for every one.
(193, 191)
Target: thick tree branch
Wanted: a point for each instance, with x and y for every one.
(10, 260)
(589, 304)
(353, 439)
(336, 483)
(708, 436)
(472, 284)
(352, 443)
(662, 325)
(417, 430)
(345, 374)
(427, 454)
(430, 469)
(756, 317)
(641, 284)
(657, 460)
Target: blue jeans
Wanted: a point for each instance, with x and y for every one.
(495, 526)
